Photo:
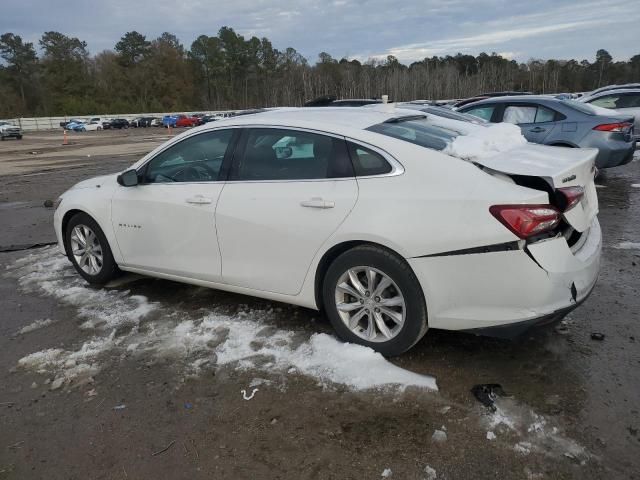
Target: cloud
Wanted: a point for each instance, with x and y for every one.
(410, 30)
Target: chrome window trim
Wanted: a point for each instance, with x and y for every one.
(396, 167)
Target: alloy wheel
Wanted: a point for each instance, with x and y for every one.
(370, 304)
(86, 249)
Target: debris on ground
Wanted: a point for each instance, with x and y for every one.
(122, 406)
(248, 397)
(164, 449)
(386, 473)
(48, 203)
(439, 436)
(486, 393)
(597, 336)
(57, 383)
(523, 447)
(491, 436)
(188, 405)
(431, 473)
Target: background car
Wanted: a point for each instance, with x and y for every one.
(119, 123)
(565, 123)
(8, 130)
(623, 101)
(186, 121)
(208, 118)
(155, 122)
(442, 112)
(332, 101)
(89, 127)
(64, 124)
(169, 120)
(612, 87)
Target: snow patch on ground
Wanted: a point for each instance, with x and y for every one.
(627, 246)
(635, 185)
(37, 325)
(536, 433)
(130, 325)
(486, 141)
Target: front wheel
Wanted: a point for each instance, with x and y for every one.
(373, 298)
(89, 251)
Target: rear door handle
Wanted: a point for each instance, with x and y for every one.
(538, 130)
(199, 200)
(317, 202)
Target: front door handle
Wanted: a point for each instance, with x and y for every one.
(538, 130)
(199, 200)
(317, 202)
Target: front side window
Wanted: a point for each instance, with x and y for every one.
(484, 112)
(194, 159)
(628, 100)
(280, 154)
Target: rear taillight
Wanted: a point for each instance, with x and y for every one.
(526, 220)
(613, 127)
(569, 197)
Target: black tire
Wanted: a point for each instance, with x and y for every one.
(415, 324)
(109, 269)
(19, 137)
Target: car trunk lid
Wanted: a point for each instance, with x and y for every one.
(558, 168)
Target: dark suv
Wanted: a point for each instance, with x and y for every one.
(119, 123)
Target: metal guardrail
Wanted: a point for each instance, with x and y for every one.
(50, 123)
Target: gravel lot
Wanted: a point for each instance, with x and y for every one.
(144, 379)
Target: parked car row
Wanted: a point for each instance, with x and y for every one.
(174, 121)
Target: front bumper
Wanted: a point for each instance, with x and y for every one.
(503, 288)
(11, 133)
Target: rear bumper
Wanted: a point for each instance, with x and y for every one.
(504, 288)
(613, 153)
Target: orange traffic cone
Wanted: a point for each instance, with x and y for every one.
(65, 140)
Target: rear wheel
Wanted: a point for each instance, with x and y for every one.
(89, 251)
(373, 298)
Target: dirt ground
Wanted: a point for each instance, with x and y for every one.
(144, 407)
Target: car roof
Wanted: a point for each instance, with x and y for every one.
(612, 92)
(333, 119)
(514, 98)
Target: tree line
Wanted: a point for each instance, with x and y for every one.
(229, 71)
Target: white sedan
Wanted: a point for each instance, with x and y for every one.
(389, 220)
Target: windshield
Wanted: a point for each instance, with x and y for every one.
(418, 131)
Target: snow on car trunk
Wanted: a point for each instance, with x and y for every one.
(116, 321)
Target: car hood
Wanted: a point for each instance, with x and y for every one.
(96, 182)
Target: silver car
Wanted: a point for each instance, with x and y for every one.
(564, 123)
(622, 101)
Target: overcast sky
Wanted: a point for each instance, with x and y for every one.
(408, 29)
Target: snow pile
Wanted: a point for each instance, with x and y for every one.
(484, 141)
(130, 325)
(627, 246)
(37, 325)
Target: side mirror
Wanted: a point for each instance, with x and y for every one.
(128, 178)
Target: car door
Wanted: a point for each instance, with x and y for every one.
(288, 191)
(166, 223)
(535, 121)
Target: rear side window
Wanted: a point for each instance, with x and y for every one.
(518, 114)
(484, 112)
(607, 101)
(366, 162)
(280, 154)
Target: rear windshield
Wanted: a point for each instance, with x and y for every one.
(579, 106)
(417, 131)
